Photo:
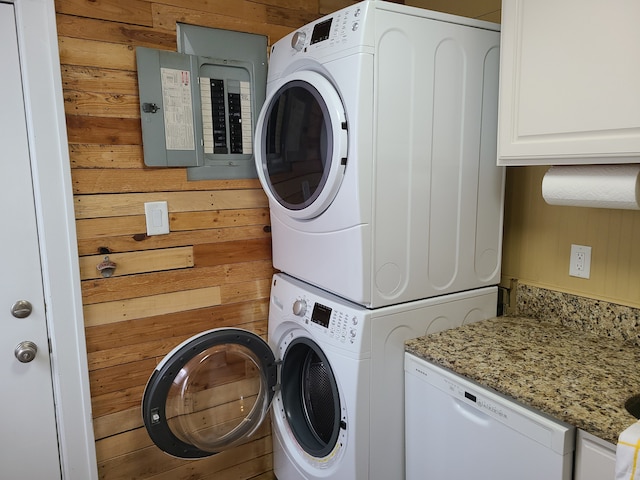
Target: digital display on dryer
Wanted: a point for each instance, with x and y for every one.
(321, 31)
(321, 315)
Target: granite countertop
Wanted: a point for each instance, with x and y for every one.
(577, 377)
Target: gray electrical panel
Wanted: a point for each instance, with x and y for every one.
(199, 107)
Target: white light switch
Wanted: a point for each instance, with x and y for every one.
(157, 214)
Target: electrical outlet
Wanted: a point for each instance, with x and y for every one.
(580, 261)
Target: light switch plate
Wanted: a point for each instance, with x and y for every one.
(580, 261)
(157, 215)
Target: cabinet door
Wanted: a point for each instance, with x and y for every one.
(595, 458)
(569, 82)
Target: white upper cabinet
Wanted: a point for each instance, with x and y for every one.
(569, 82)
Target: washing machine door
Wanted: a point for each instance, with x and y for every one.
(311, 402)
(301, 144)
(210, 393)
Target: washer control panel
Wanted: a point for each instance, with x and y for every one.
(329, 319)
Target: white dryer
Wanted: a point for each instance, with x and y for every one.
(332, 373)
(376, 146)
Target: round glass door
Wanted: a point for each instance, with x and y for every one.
(301, 144)
(210, 393)
(310, 398)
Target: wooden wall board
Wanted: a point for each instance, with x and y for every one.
(165, 18)
(138, 240)
(86, 156)
(90, 53)
(137, 12)
(163, 291)
(109, 426)
(153, 283)
(138, 262)
(101, 105)
(148, 306)
(103, 130)
(223, 253)
(116, 205)
(122, 376)
(132, 333)
(219, 219)
(123, 180)
(114, 32)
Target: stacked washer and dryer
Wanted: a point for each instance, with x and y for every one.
(376, 147)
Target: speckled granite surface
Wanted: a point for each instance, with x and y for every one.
(575, 376)
(605, 319)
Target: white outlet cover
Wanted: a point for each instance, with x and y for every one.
(157, 215)
(580, 261)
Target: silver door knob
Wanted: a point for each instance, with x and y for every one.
(21, 309)
(26, 351)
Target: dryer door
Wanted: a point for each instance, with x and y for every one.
(301, 144)
(210, 393)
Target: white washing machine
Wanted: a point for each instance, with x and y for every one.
(332, 372)
(376, 146)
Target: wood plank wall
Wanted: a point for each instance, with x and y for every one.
(212, 270)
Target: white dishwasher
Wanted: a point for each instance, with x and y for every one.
(456, 430)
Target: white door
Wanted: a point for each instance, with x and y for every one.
(30, 443)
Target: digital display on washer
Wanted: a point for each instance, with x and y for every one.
(321, 31)
(321, 315)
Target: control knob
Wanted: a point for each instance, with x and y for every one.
(299, 308)
(297, 41)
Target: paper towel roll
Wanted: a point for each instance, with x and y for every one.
(597, 186)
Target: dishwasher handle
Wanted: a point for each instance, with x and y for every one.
(472, 412)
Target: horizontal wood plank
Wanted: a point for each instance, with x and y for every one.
(156, 349)
(95, 79)
(133, 332)
(165, 17)
(160, 466)
(113, 402)
(115, 423)
(141, 241)
(187, 221)
(219, 219)
(101, 104)
(242, 9)
(94, 206)
(232, 252)
(303, 5)
(289, 17)
(247, 465)
(120, 377)
(142, 307)
(75, 51)
(138, 262)
(132, 286)
(105, 156)
(127, 11)
(90, 181)
(104, 130)
(110, 226)
(114, 31)
(122, 444)
(242, 292)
